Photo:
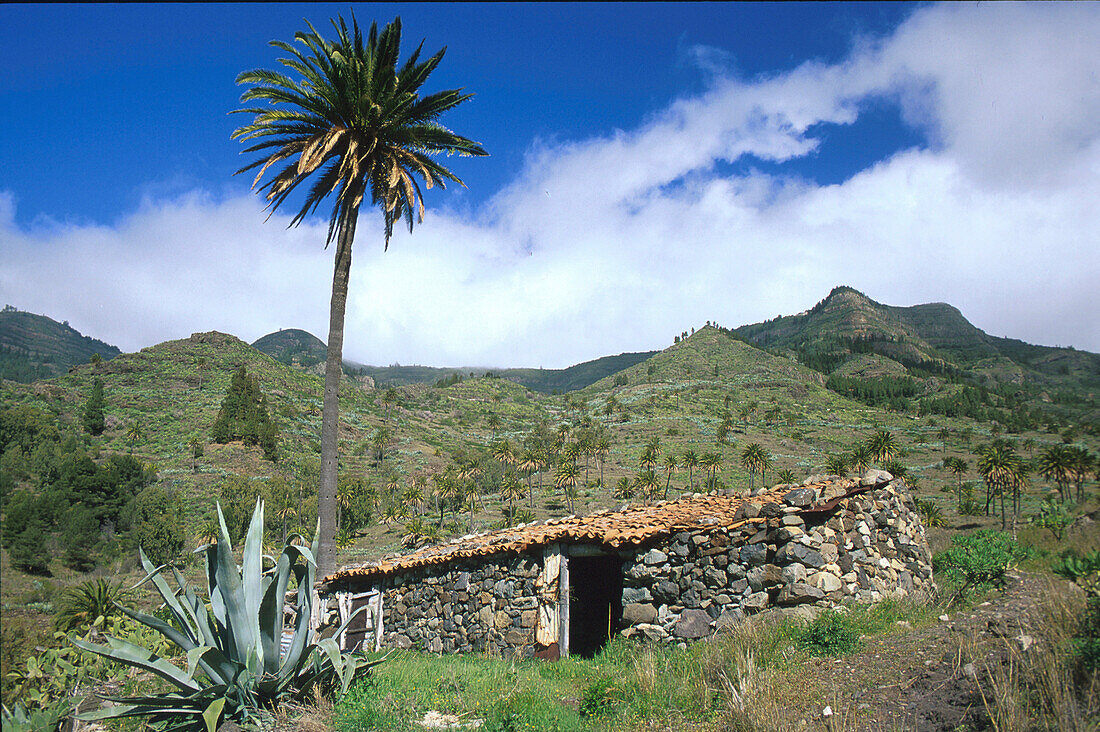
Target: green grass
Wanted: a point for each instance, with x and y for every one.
(628, 684)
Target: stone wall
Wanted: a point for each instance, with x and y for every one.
(814, 548)
(869, 546)
(468, 607)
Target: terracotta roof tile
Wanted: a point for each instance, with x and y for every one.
(631, 526)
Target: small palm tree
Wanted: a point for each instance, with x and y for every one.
(690, 460)
(354, 121)
(883, 446)
(83, 604)
(861, 458)
(566, 479)
(837, 464)
(711, 462)
(670, 465)
(134, 434)
(646, 485)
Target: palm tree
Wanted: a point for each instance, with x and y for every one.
(882, 446)
(1000, 468)
(504, 453)
(1054, 464)
(510, 492)
(959, 467)
(670, 467)
(646, 483)
(1080, 464)
(566, 479)
(134, 434)
(357, 121)
(711, 462)
(690, 460)
(600, 450)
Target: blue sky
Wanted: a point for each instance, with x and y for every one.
(652, 166)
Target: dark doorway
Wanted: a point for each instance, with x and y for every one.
(595, 602)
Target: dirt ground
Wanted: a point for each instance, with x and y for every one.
(924, 679)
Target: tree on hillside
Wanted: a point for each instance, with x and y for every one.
(690, 460)
(135, 433)
(1054, 464)
(883, 446)
(357, 121)
(244, 415)
(94, 422)
(755, 459)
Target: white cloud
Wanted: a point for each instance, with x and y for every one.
(618, 242)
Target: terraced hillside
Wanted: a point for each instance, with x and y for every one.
(849, 334)
(36, 347)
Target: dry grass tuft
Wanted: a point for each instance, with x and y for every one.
(1040, 687)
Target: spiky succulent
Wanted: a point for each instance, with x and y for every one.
(236, 666)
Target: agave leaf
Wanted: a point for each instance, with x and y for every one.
(271, 613)
(240, 630)
(171, 600)
(252, 578)
(213, 713)
(120, 650)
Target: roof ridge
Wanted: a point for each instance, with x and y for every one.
(630, 525)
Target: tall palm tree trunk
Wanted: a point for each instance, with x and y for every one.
(330, 410)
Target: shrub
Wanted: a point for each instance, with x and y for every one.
(599, 697)
(1053, 516)
(830, 634)
(979, 560)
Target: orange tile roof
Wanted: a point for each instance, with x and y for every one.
(633, 525)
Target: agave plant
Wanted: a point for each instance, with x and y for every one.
(236, 667)
(44, 719)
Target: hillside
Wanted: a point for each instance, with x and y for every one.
(936, 345)
(293, 347)
(546, 381)
(37, 347)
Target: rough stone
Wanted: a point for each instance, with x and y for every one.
(826, 582)
(636, 594)
(794, 552)
(755, 602)
(798, 593)
(667, 591)
(693, 624)
(794, 573)
(873, 477)
(800, 497)
(754, 554)
(655, 556)
(638, 612)
(768, 575)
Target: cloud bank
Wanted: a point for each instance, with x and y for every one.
(618, 242)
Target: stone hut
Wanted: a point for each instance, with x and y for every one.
(672, 571)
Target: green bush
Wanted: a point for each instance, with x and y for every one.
(599, 697)
(979, 560)
(830, 634)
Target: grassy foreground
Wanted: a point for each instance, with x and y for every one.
(735, 681)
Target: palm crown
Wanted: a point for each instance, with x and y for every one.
(355, 119)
